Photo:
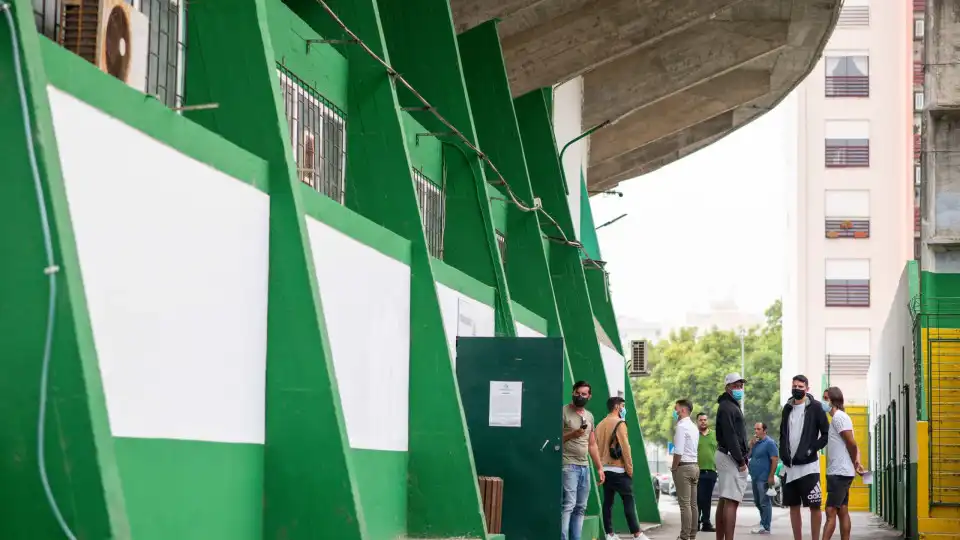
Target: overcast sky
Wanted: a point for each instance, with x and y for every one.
(707, 227)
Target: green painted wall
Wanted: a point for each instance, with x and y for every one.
(78, 448)
(309, 480)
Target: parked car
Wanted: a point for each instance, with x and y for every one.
(656, 487)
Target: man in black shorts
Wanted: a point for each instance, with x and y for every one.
(803, 433)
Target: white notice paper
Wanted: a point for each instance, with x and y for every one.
(506, 399)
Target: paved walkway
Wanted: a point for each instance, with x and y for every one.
(865, 526)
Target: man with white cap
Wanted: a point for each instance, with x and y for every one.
(731, 455)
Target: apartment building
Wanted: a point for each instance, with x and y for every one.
(850, 208)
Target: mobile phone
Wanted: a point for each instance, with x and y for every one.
(583, 425)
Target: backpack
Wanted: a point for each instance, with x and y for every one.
(616, 451)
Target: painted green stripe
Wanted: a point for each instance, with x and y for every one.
(460, 282)
(79, 449)
(352, 224)
(79, 78)
(381, 478)
(192, 490)
(529, 319)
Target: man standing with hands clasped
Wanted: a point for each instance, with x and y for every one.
(803, 433)
(763, 464)
(731, 455)
(686, 473)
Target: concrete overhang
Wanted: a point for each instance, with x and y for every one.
(672, 75)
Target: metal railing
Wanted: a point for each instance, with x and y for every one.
(916, 147)
(854, 16)
(846, 155)
(847, 293)
(919, 5)
(430, 197)
(847, 228)
(916, 219)
(918, 73)
(318, 136)
(847, 86)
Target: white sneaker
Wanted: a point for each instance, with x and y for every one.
(611, 537)
(759, 530)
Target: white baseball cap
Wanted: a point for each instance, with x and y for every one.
(733, 378)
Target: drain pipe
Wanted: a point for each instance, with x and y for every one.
(605, 123)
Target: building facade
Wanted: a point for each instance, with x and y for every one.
(851, 219)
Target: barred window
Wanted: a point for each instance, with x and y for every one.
(502, 246)
(847, 75)
(163, 58)
(317, 135)
(432, 201)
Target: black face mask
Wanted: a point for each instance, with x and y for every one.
(580, 401)
(798, 394)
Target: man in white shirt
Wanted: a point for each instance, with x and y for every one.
(686, 472)
(803, 433)
(843, 464)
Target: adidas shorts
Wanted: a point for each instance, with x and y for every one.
(804, 491)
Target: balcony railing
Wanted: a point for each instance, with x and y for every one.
(918, 73)
(847, 293)
(846, 155)
(920, 5)
(847, 228)
(916, 147)
(854, 16)
(916, 220)
(848, 86)
(856, 365)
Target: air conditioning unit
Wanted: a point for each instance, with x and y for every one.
(110, 34)
(638, 366)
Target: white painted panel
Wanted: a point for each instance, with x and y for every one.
(613, 368)
(848, 269)
(366, 305)
(174, 258)
(848, 341)
(568, 125)
(526, 331)
(847, 129)
(842, 203)
(463, 316)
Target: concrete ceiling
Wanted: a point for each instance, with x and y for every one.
(672, 75)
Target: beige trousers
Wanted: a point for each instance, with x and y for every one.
(686, 479)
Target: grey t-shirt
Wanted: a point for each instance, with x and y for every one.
(838, 458)
(575, 450)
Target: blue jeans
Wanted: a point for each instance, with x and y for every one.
(576, 487)
(762, 500)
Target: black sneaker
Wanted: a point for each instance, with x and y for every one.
(707, 528)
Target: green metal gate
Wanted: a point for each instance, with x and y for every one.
(943, 403)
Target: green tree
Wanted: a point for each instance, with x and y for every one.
(691, 365)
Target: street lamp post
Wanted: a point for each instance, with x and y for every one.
(743, 369)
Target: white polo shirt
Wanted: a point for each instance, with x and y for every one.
(685, 441)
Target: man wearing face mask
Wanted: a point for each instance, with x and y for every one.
(617, 467)
(731, 457)
(804, 431)
(579, 440)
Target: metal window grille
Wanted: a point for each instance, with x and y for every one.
(917, 73)
(166, 46)
(919, 5)
(317, 135)
(916, 219)
(916, 151)
(46, 15)
(847, 293)
(856, 365)
(847, 228)
(502, 246)
(854, 16)
(432, 202)
(847, 76)
(847, 153)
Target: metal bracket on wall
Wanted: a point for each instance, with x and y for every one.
(432, 134)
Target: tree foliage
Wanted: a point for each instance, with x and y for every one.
(692, 366)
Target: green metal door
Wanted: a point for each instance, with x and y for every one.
(894, 469)
(523, 449)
